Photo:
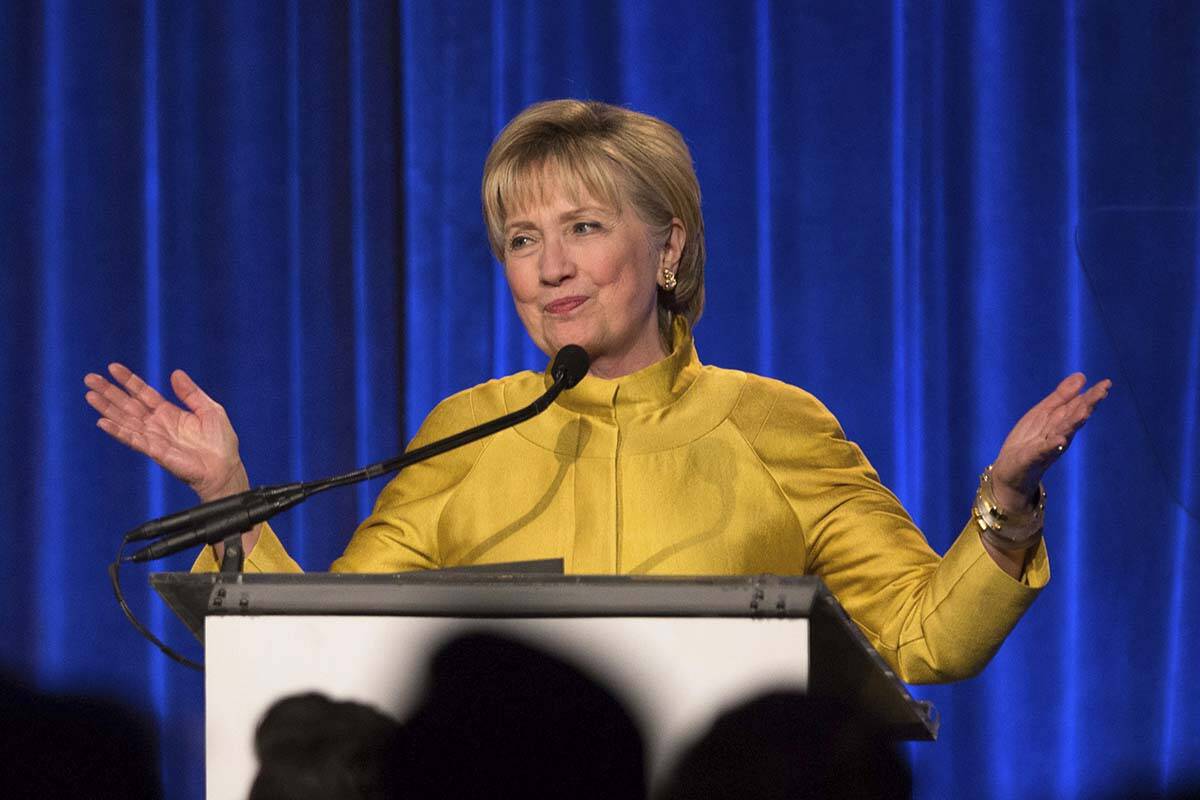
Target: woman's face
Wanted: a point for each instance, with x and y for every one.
(584, 273)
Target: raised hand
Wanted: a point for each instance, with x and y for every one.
(197, 445)
(1041, 437)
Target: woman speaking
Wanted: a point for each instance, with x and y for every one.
(654, 463)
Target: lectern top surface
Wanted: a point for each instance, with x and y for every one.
(488, 594)
(848, 666)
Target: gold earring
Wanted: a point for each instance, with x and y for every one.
(668, 280)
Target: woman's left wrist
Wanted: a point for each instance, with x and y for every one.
(1007, 520)
(1015, 500)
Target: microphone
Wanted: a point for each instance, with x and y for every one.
(213, 521)
(570, 365)
(206, 512)
(257, 506)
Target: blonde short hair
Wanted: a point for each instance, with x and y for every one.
(622, 158)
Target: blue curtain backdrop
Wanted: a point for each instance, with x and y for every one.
(926, 213)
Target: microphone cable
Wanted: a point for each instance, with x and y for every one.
(114, 575)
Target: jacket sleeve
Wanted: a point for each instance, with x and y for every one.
(401, 533)
(933, 619)
(269, 555)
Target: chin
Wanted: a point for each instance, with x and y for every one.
(564, 335)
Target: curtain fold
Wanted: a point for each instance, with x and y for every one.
(926, 214)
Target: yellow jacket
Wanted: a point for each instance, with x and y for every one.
(684, 469)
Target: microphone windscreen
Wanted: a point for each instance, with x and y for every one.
(570, 365)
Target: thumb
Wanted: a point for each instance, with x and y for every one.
(189, 392)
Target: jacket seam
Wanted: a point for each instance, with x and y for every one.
(758, 457)
(762, 423)
(944, 598)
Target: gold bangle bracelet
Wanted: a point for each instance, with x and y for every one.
(1006, 529)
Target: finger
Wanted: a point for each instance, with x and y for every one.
(1064, 427)
(94, 381)
(1036, 419)
(120, 372)
(1079, 405)
(189, 392)
(1067, 389)
(109, 410)
(1057, 440)
(1077, 412)
(1098, 393)
(116, 397)
(1065, 415)
(100, 388)
(98, 383)
(146, 394)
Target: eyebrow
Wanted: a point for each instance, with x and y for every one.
(566, 216)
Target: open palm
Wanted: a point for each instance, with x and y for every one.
(197, 445)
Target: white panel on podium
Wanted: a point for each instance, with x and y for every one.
(676, 650)
(675, 674)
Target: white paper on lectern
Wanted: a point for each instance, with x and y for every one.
(673, 674)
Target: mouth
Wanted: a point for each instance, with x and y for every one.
(564, 305)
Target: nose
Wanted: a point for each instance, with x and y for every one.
(556, 263)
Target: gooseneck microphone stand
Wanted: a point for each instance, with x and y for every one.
(227, 518)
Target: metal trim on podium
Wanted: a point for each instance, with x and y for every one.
(842, 663)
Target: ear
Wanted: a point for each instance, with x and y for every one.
(672, 249)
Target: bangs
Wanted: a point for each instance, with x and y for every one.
(529, 179)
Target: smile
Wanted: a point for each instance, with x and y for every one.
(564, 305)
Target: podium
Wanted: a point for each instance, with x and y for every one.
(677, 650)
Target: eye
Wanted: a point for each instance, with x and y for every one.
(518, 241)
(585, 227)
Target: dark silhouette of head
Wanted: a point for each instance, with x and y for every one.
(502, 719)
(311, 747)
(790, 745)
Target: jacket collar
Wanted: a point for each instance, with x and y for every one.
(648, 389)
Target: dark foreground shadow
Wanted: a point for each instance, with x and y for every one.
(60, 746)
(1148, 787)
(788, 745)
(499, 719)
(502, 719)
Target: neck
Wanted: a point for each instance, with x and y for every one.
(613, 367)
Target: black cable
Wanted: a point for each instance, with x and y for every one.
(114, 570)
